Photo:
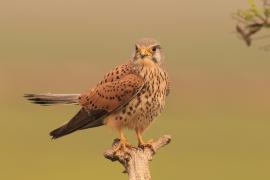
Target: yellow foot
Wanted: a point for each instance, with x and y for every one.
(149, 144)
(123, 145)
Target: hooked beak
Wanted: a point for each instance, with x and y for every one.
(144, 52)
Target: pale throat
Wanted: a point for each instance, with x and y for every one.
(146, 62)
(148, 72)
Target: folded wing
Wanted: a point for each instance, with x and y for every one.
(108, 96)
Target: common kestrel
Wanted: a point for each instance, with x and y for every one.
(130, 96)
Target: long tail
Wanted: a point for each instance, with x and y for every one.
(50, 99)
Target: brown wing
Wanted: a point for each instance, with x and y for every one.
(118, 72)
(79, 121)
(119, 87)
(112, 95)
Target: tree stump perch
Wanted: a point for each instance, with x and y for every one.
(136, 159)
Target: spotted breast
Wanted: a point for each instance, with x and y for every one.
(148, 103)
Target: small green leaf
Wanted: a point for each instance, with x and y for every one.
(253, 7)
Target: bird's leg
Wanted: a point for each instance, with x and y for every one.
(123, 143)
(141, 142)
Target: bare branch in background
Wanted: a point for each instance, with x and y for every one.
(252, 20)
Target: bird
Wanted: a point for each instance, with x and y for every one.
(130, 96)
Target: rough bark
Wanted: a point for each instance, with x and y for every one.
(136, 159)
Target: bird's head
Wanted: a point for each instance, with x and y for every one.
(148, 52)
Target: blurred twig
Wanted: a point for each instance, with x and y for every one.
(252, 20)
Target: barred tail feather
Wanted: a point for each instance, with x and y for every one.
(50, 99)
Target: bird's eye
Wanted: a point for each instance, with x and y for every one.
(154, 48)
(136, 48)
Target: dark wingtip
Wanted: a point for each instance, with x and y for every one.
(56, 133)
(53, 135)
(53, 138)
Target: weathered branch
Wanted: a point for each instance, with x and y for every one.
(136, 159)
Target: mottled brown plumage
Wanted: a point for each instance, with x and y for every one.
(117, 89)
(130, 96)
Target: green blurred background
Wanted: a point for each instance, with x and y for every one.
(218, 111)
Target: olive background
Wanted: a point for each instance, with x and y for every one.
(218, 111)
